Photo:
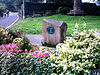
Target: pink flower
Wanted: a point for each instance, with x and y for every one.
(28, 53)
(34, 47)
(3, 50)
(40, 56)
(21, 33)
(32, 54)
(47, 52)
(17, 51)
(20, 50)
(36, 55)
(25, 49)
(46, 55)
(13, 48)
(18, 31)
(11, 52)
(23, 53)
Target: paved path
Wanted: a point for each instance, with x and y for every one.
(8, 21)
(35, 39)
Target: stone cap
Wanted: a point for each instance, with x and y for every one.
(54, 22)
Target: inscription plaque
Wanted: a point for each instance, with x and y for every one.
(50, 30)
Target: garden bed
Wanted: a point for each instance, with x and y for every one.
(79, 55)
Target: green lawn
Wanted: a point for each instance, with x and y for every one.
(34, 25)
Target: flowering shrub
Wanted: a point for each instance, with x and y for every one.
(79, 54)
(34, 51)
(11, 48)
(21, 58)
(39, 53)
(22, 41)
(22, 62)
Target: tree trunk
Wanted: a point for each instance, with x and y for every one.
(76, 8)
(77, 5)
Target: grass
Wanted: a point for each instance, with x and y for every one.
(34, 25)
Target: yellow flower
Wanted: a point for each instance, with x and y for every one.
(52, 57)
(86, 71)
(53, 74)
(17, 40)
(76, 25)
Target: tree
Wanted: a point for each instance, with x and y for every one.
(17, 4)
(76, 8)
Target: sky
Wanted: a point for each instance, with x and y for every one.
(87, 1)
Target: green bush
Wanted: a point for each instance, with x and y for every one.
(25, 43)
(20, 39)
(5, 37)
(15, 34)
(49, 12)
(63, 10)
(24, 65)
(79, 54)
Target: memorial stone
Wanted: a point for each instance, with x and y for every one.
(53, 32)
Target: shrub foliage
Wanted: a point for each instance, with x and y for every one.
(5, 37)
(78, 55)
(24, 65)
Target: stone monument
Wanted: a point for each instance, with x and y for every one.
(53, 32)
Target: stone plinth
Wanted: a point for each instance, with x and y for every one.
(53, 32)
